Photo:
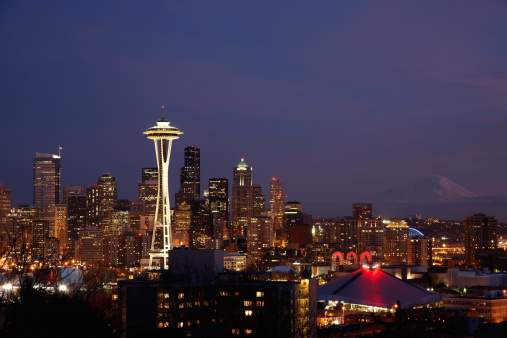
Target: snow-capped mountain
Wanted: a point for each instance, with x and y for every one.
(430, 189)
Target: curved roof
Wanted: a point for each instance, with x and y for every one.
(242, 164)
(414, 232)
(374, 287)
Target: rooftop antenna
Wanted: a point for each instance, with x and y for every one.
(59, 149)
(163, 110)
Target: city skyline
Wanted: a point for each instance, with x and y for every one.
(384, 94)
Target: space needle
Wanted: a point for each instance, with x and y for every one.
(163, 135)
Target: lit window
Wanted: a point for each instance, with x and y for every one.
(247, 303)
(260, 294)
(181, 295)
(248, 331)
(182, 306)
(260, 303)
(180, 325)
(248, 313)
(223, 293)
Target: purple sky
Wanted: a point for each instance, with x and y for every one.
(340, 100)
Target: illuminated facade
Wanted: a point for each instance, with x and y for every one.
(163, 135)
(108, 197)
(59, 230)
(259, 238)
(90, 246)
(47, 183)
(480, 236)
(242, 204)
(277, 208)
(148, 190)
(219, 197)
(362, 210)
(396, 250)
(5, 209)
(259, 200)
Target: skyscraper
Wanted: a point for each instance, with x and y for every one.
(277, 208)
(163, 135)
(47, 183)
(5, 209)
(148, 190)
(242, 205)
(190, 176)
(259, 200)
(108, 197)
(480, 236)
(219, 197)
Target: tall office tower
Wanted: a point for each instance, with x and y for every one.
(59, 228)
(480, 237)
(277, 209)
(76, 220)
(5, 209)
(396, 239)
(40, 236)
(136, 211)
(190, 176)
(92, 206)
(293, 213)
(259, 238)
(259, 200)
(19, 231)
(47, 183)
(148, 190)
(108, 199)
(242, 195)
(120, 221)
(219, 197)
(90, 246)
(163, 135)
(362, 210)
(201, 225)
(73, 190)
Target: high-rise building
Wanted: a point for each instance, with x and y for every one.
(39, 238)
(5, 209)
(396, 241)
(47, 183)
(190, 176)
(277, 209)
(59, 228)
(371, 237)
(362, 210)
(108, 198)
(73, 190)
(219, 197)
(242, 195)
(163, 135)
(259, 238)
(201, 225)
(259, 200)
(91, 244)
(148, 190)
(419, 251)
(76, 219)
(480, 237)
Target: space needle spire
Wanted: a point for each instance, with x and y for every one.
(163, 135)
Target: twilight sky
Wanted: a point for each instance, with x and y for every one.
(340, 100)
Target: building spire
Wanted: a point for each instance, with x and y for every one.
(163, 115)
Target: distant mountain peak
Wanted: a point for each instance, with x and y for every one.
(434, 188)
